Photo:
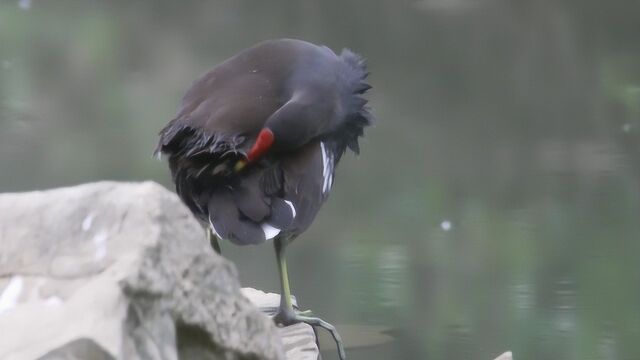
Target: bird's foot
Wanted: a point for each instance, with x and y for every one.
(286, 317)
(305, 313)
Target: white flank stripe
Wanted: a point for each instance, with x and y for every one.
(213, 229)
(324, 158)
(269, 231)
(327, 169)
(293, 209)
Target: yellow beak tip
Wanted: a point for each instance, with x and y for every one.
(240, 165)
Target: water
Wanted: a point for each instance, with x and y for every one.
(495, 205)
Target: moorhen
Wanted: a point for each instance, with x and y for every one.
(256, 141)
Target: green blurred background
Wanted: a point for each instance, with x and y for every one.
(496, 203)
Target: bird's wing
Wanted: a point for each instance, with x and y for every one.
(307, 180)
(221, 111)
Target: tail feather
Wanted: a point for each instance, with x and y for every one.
(239, 216)
(282, 214)
(358, 115)
(250, 199)
(227, 223)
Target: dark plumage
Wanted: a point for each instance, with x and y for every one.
(306, 95)
(255, 144)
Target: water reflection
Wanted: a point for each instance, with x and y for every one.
(522, 298)
(495, 203)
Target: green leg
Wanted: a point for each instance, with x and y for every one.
(214, 241)
(286, 315)
(285, 294)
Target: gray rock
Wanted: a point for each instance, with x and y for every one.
(299, 340)
(81, 349)
(119, 271)
(506, 356)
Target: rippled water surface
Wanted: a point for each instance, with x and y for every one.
(495, 205)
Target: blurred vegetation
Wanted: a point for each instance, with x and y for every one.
(496, 202)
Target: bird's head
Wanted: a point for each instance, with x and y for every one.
(295, 123)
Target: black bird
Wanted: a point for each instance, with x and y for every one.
(256, 141)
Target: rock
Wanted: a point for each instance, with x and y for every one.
(80, 349)
(506, 356)
(119, 271)
(299, 340)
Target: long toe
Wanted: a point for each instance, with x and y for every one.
(289, 317)
(305, 313)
